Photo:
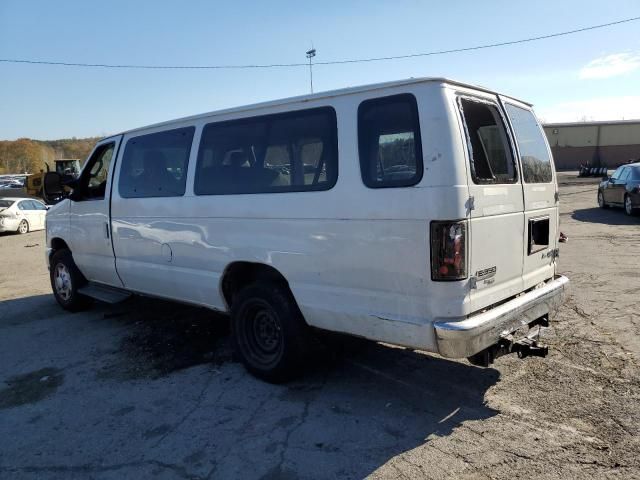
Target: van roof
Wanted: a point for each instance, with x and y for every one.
(326, 94)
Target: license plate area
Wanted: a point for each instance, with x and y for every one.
(538, 234)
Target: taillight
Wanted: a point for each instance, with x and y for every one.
(448, 250)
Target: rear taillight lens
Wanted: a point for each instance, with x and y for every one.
(448, 250)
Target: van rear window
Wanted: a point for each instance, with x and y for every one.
(389, 142)
(289, 152)
(155, 165)
(489, 152)
(534, 155)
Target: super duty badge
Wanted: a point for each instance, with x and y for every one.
(486, 273)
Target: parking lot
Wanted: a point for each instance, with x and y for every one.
(147, 388)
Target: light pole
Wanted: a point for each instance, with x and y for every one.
(310, 54)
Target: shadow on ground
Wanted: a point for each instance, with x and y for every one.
(359, 405)
(17, 311)
(163, 337)
(609, 216)
(352, 413)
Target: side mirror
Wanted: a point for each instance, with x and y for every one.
(52, 190)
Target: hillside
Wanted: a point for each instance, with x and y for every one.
(29, 156)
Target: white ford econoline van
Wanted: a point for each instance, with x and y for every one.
(421, 213)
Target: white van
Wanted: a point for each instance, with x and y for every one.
(421, 213)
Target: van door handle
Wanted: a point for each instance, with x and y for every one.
(106, 230)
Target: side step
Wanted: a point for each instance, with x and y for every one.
(104, 293)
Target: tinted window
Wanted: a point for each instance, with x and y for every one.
(389, 142)
(38, 206)
(289, 152)
(615, 175)
(635, 173)
(23, 205)
(625, 174)
(6, 203)
(155, 165)
(534, 155)
(491, 159)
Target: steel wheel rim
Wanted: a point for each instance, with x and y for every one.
(600, 199)
(23, 227)
(262, 334)
(62, 281)
(627, 205)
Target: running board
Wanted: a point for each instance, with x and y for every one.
(104, 293)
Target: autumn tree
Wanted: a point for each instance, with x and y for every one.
(30, 156)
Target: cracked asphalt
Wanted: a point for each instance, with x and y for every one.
(151, 389)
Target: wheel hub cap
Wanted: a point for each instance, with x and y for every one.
(62, 281)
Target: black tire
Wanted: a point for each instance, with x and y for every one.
(628, 207)
(269, 332)
(66, 279)
(23, 227)
(601, 201)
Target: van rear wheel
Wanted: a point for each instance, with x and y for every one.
(66, 279)
(269, 332)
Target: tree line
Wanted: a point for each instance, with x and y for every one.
(30, 156)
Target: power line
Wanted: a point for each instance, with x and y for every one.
(481, 47)
(331, 62)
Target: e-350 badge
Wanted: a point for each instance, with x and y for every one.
(486, 273)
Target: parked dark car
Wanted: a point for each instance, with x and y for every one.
(621, 189)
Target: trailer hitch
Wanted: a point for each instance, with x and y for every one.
(528, 346)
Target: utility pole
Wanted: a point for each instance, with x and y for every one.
(310, 54)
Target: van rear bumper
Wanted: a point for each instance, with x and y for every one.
(466, 337)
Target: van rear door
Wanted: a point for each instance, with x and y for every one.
(540, 194)
(496, 206)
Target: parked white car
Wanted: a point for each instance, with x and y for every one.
(421, 213)
(21, 215)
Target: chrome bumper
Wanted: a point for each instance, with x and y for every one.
(466, 337)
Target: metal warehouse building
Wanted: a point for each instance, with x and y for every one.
(606, 144)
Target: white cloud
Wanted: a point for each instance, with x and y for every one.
(610, 66)
(600, 108)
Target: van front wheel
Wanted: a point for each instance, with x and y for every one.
(65, 281)
(269, 332)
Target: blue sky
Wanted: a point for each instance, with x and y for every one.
(593, 75)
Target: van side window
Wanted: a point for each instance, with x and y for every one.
(491, 159)
(389, 142)
(289, 152)
(155, 165)
(534, 155)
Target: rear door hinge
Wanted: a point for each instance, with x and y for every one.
(557, 196)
